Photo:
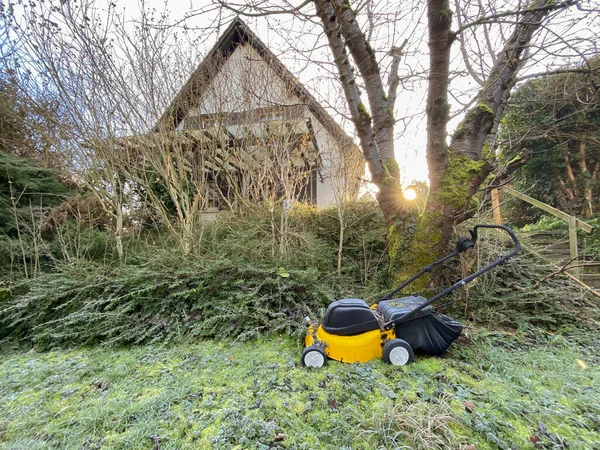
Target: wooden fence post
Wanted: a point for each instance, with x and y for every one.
(573, 245)
(556, 212)
(573, 222)
(496, 206)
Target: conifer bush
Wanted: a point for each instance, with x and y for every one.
(520, 292)
(242, 282)
(90, 304)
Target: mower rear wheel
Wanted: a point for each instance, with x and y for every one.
(398, 352)
(313, 356)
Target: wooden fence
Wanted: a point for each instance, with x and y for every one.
(573, 221)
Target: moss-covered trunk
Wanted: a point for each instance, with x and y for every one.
(418, 241)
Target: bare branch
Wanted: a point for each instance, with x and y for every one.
(240, 9)
(492, 17)
(486, 33)
(512, 166)
(556, 72)
(463, 49)
(496, 186)
(357, 109)
(394, 80)
(564, 268)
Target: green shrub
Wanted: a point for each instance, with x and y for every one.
(364, 247)
(73, 241)
(27, 192)
(88, 303)
(311, 240)
(518, 293)
(246, 278)
(590, 242)
(547, 223)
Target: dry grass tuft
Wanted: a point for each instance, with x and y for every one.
(416, 425)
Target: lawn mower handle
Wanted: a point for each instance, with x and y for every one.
(464, 281)
(463, 245)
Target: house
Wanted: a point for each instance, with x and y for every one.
(260, 134)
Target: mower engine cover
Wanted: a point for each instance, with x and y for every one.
(348, 317)
(427, 331)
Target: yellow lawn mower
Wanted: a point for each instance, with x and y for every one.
(392, 328)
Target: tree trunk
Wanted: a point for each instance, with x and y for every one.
(438, 108)
(340, 245)
(586, 180)
(570, 173)
(594, 186)
(186, 236)
(457, 171)
(375, 128)
(454, 203)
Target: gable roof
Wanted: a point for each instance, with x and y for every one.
(239, 33)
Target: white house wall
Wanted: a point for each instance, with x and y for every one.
(245, 82)
(328, 151)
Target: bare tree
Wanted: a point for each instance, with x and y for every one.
(81, 117)
(345, 169)
(108, 89)
(266, 149)
(495, 42)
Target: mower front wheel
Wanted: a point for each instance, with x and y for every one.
(398, 352)
(313, 356)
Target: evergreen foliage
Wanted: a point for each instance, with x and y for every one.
(238, 283)
(510, 295)
(12, 124)
(556, 120)
(26, 186)
(88, 304)
(27, 193)
(28, 189)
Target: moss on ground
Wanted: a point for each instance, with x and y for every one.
(493, 390)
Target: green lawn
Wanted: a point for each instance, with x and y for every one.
(491, 391)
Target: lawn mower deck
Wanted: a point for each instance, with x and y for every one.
(392, 328)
